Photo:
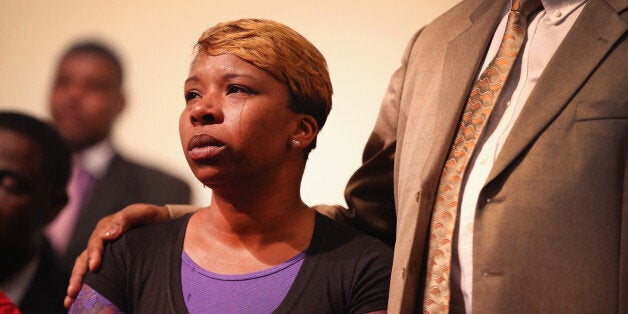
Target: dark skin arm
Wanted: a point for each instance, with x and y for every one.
(108, 229)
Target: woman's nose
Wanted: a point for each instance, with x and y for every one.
(206, 112)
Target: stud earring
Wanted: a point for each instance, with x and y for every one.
(294, 143)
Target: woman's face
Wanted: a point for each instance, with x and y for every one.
(236, 123)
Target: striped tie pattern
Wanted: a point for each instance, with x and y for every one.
(477, 111)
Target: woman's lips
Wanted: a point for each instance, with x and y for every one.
(204, 147)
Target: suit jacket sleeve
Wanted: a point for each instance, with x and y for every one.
(370, 192)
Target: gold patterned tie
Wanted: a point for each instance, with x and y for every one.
(477, 111)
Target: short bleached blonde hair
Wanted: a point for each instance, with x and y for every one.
(282, 52)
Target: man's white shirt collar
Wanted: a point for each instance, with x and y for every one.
(96, 159)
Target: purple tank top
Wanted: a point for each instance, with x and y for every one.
(258, 292)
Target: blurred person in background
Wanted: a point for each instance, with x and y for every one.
(34, 171)
(85, 101)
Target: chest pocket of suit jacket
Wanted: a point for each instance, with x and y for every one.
(602, 109)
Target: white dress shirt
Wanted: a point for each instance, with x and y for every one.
(96, 159)
(546, 30)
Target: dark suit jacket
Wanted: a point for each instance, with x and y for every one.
(551, 226)
(46, 292)
(125, 183)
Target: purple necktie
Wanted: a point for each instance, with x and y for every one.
(60, 230)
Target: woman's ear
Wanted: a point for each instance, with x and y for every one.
(306, 131)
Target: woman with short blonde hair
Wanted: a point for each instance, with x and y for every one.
(256, 97)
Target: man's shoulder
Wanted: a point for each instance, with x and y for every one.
(465, 12)
(142, 168)
(467, 9)
(147, 174)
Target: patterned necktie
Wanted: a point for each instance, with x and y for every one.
(62, 227)
(477, 111)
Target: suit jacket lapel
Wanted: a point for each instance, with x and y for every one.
(593, 34)
(463, 57)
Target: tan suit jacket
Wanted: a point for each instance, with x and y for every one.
(551, 226)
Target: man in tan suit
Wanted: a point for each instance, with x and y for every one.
(543, 218)
(550, 231)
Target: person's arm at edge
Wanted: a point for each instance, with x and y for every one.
(110, 228)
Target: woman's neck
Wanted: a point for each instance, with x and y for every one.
(256, 214)
(260, 203)
(245, 232)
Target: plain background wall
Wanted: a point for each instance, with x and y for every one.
(363, 42)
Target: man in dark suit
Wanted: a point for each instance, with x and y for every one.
(85, 101)
(541, 222)
(34, 170)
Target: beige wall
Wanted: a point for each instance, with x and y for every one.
(362, 41)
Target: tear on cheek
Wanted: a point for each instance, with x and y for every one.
(241, 120)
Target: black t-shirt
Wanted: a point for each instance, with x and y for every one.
(344, 271)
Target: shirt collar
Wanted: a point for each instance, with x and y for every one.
(558, 10)
(96, 159)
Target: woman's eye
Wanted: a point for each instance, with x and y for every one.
(239, 89)
(191, 95)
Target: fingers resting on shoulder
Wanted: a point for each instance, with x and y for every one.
(109, 229)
